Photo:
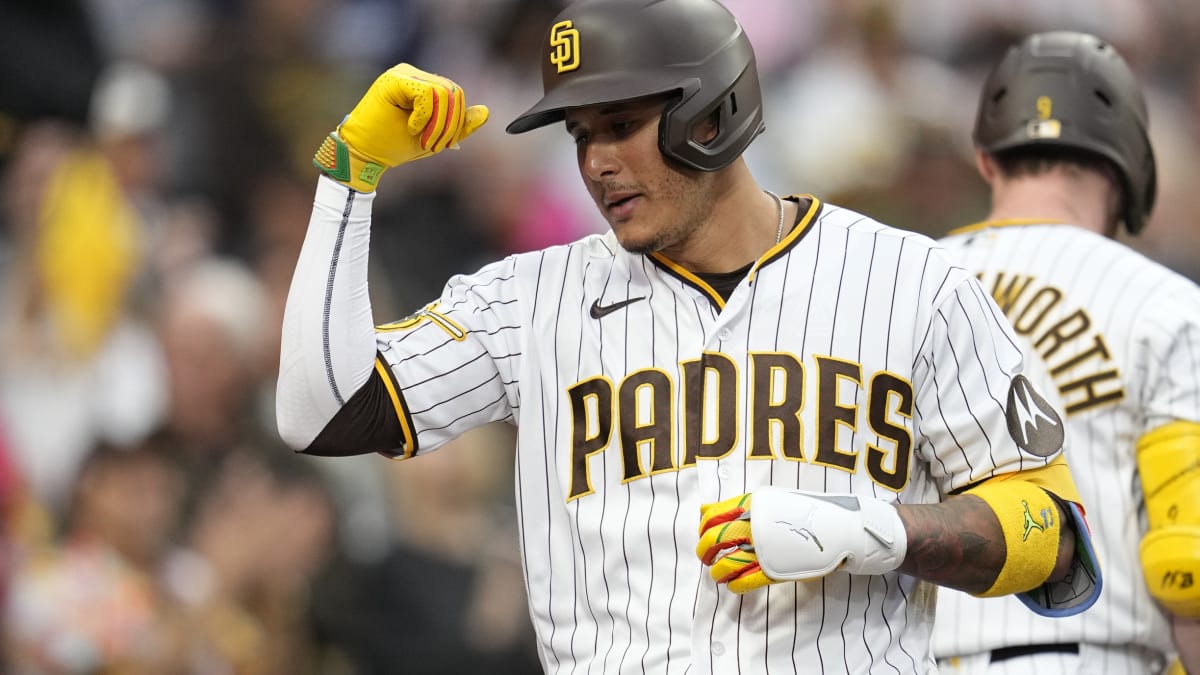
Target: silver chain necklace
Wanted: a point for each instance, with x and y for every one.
(779, 202)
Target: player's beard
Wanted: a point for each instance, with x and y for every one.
(660, 241)
(669, 235)
(677, 223)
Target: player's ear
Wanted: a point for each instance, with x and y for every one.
(1115, 209)
(985, 165)
(704, 132)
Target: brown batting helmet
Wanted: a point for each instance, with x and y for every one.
(1072, 90)
(609, 51)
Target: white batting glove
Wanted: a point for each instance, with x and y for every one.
(778, 534)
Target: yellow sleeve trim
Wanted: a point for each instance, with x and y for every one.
(388, 382)
(1029, 519)
(1006, 222)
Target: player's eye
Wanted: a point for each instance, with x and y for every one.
(621, 128)
(580, 139)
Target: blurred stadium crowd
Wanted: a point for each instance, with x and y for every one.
(155, 185)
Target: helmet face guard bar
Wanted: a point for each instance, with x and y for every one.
(1072, 90)
(612, 51)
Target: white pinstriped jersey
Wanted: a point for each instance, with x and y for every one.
(1119, 336)
(853, 358)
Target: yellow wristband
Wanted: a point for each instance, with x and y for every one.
(341, 163)
(1032, 531)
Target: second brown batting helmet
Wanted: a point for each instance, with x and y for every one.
(1073, 90)
(608, 51)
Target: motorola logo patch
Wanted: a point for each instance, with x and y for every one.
(1032, 422)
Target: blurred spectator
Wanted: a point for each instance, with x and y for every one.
(92, 603)
(50, 64)
(77, 365)
(214, 329)
(131, 108)
(1171, 236)
(857, 109)
(259, 535)
(163, 34)
(453, 580)
(254, 94)
(10, 497)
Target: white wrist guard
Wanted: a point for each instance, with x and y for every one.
(804, 535)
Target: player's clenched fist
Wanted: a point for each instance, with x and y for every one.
(775, 534)
(407, 114)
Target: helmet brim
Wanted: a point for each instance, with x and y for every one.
(590, 90)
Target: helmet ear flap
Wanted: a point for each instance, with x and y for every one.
(738, 115)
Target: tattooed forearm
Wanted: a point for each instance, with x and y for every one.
(957, 543)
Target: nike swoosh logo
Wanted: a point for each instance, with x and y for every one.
(599, 311)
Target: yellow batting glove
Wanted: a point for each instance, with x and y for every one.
(726, 545)
(405, 115)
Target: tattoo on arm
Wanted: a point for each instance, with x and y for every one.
(957, 543)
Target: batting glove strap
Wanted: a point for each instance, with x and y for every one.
(341, 163)
(805, 535)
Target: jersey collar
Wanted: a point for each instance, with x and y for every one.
(1005, 222)
(800, 228)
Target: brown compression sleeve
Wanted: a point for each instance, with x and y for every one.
(367, 423)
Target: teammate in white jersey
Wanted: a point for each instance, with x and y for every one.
(741, 419)
(1061, 137)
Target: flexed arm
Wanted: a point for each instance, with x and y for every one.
(328, 343)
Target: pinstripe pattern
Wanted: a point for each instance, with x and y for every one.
(614, 583)
(1149, 321)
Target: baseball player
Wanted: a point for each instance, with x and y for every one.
(754, 432)
(1061, 136)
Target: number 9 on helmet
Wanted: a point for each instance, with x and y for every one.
(1072, 90)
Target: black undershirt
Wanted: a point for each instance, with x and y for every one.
(724, 282)
(366, 423)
